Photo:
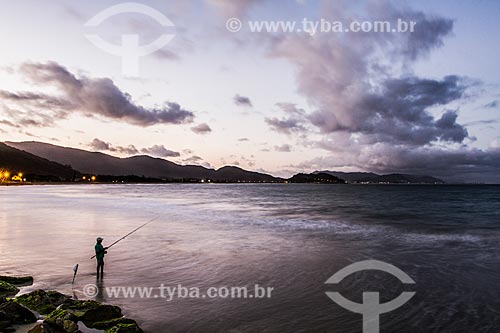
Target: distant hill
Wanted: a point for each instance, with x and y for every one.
(33, 167)
(394, 178)
(315, 178)
(143, 165)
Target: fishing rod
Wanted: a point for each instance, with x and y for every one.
(130, 233)
(75, 268)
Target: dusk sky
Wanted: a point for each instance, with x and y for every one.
(422, 102)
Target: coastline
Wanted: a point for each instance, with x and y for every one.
(49, 311)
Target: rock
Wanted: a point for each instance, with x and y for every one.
(5, 326)
(8, 330)
(61, 320)
(17, 280)
(79, 308)
(103, 325)
(7, 289)
(41, 301)
(125, 328)
(38, 328)
(101, 313)
(16, 314)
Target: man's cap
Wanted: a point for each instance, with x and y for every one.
(99, 238)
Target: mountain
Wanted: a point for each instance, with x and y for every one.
(142, 165)
(320, 177)
(33, 167)
(396, 178)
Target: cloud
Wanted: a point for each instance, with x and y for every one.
(8, 123)
(165, 54)
(293, 122)
(155, 150)
(243, 139)
(363, 84)
(454, 165)
(202, 128)
(492, 105)
(88, 96)
(160, 151)
(196, 160)
(129, 150)
(286, 148)
(242, 101)
(286, 126)
(101, 145)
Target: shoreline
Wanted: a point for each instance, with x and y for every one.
(49, 311)
(241, 183)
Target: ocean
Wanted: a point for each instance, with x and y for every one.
(288, 238)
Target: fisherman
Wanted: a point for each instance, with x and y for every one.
(100, 251)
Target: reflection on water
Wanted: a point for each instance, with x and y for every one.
(290, 237)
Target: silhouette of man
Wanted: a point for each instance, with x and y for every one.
(100, 251)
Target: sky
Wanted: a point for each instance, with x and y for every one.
(281, 102)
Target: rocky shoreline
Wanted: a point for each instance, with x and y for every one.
(52, 312)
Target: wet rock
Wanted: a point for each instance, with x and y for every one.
(101, 313)
(16, 314)
(17, 280)
(79, 308)
(5, 326)
(44, 328)
(41, 301)
(60, 320)
(9, 329)
(38, 328)
(103, 325)
(125, 328)
(7, 289)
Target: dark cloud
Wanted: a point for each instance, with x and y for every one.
(242, 101)
(88, 96)
(129, 150)
(101, 145)
(166, 55)
(196, 160)
(398, 113)
(285, 148)
(202, 128)
(351, 82)
(285, 125)
(293, 122)
(492, 105)
(460, 164)
(160, 151)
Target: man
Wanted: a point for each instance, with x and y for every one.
(100, 251)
